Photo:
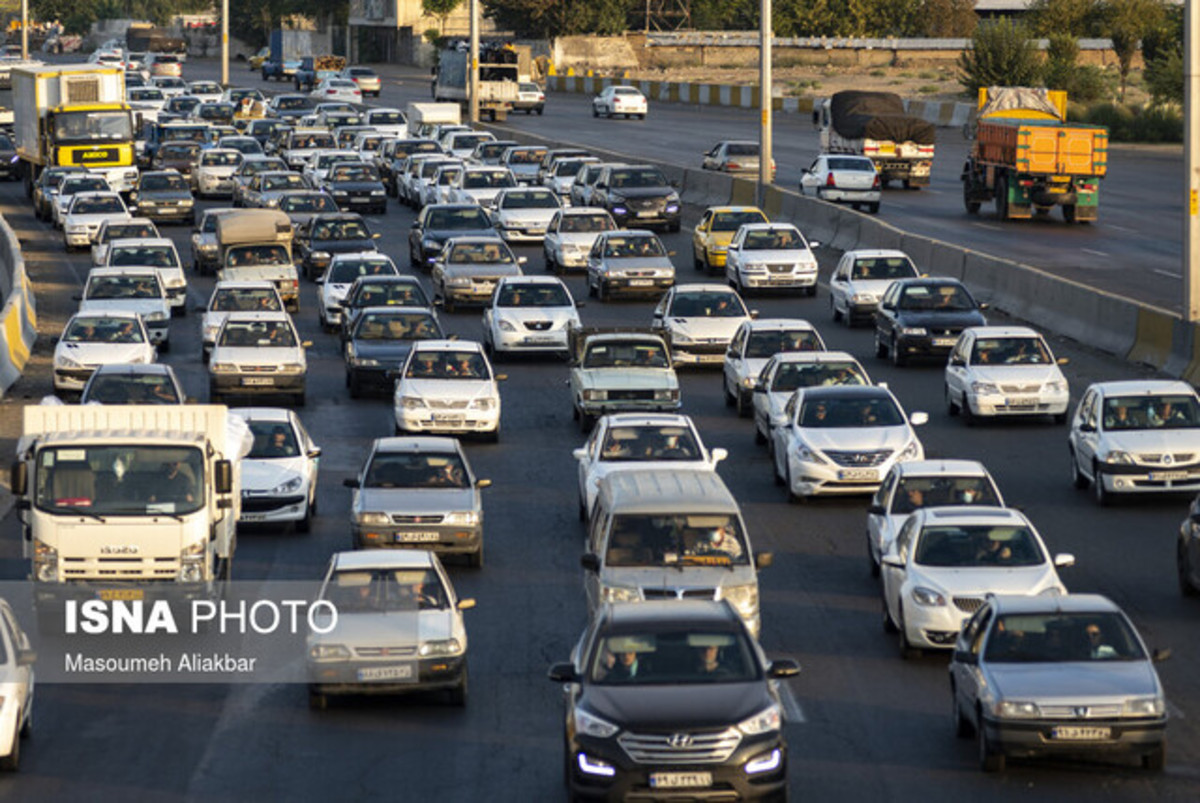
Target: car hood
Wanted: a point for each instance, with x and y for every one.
(874, 287)
(354, 186)
(721, 329)
(96, 353)
(638, 263)
(451, 389)
(414, 501)
(383, 350)
(1016, 374)
(1080, 682)
(258, 355)
(856, 438)
(777, 255)
(977, 581)
(537, 216)
(142, 306)
(939, 320)
(441, 235)
(394, 628)
(629, 378)
(264, 475)
(655, 708)
(1154, 440)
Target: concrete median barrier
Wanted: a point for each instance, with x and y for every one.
(874, 233)
(1155, 335)
(919, 249)
(743, 192)
(18, 319)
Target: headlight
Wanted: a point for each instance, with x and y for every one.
(373, 518)
(680, 337)
(749, 381)
(156, 316)
(743, 598)
(449, 646)
(272, 202)
(482, 404)
(1117, 456)
(1144, 707)
(365, 362)
(1013, 709)
(506, 326)
(45, 562)
(1056, 386)
(666, 395)
(596, 395)
(911, 452)
(765, 721)
(767, 762)
(927, 596)
(75, 229)
(808, 454)
(412, 403)
(208, 248)
(431, 245)
(377, 193)
(291, 368)
(288, 486)
(592, 725)
(67, 362)
(340, 193)
(328, 652)
(459, 281)
(755, 267)
(985, 388)
(863, 298)
(186, 202)
(913, 331)
(319, 256)
(619, 594)
(464, 518)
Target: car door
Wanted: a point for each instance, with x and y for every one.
(591, 453)
(1085, 430)
(839, 285)
(659, 323)
(761, 397)
(551, 244)
(879, 528)
(780, 437)
(733, 365)
(733, 255)
(699, 239)
(885, 315)
(964, 668)
(597, 536)
(710, 159)
(958, 371)
(895, 566)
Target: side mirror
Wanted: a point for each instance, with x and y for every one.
(563, 673)
(985, 306)
(19, 478)
(320, 279)
(314, 452)
(1087, 427)
(522, 260)
(1063, 360)
(893, 561)
(717, 455)
(783, 668)
(958, 362)
(578, 454)
(350, 482)
(670, 253)
(1063, 560)
(466, 604)
(965, 657)
(77, 298)
(223, 476)
(838, 278)
(590, 562)
(813, 244)
(191, 400)
(753, 314)
(501, 377)
(481, 484)
(307, 344)
(580, 303)
(764, 559)
(1160, 654)
(26, 657)
(876, 510)
(918, 419)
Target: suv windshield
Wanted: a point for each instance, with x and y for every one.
(645, 177)
(673, 657)
(644, 539)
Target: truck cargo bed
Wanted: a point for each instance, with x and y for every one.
(1049, 147)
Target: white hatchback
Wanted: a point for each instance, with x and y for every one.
(447, 386)
(279, 475)
(996, 371)
(92, 339)
(754, 343)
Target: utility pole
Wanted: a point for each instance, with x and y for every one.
(25, 29)
(1191, 160)
(473, 76)
(764, 97)
(224, 43)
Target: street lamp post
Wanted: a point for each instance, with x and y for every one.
(1191, 157)
(224, 43)
(764, 97)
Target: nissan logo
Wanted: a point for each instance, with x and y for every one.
(680, 740)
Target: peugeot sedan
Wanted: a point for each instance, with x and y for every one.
(860, 280)
(529, 314)
(279, 475)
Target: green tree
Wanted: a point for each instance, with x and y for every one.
(1001, 54)
(954, 19)
(1074, 18)
(442, 9)
(1125, 22)
(543, 19)
(1164, 76)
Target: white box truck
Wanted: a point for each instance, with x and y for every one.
(424, 118)
(127, 502)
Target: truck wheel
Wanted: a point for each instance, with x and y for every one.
(970, 203)
(1002, 197)
(1069, 212)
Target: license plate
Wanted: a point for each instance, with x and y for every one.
(647, 214)
(449, 417)
(1020, 402)
(253, 517)
(401, 672)
(641, 282)
(859, 474)
(680, 780)
(421, 538)
(943, 342)
(113, 594)
(257, 381)
(536, 339)
(1159, 476)
(1077, 733)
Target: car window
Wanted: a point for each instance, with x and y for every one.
(1151, 412)
(838, 412)
(246, 300)
(381, 591)
(795, 375)
(112, 287)
(345, 271)
(403, 294)
(108, 205)
(626, 355)
(867, 268)
(103, 330)
(637, 177)
(639, 539)
(707, 305)
(132, 389)
(479, 253)
(447, 365)
(537, 295)
(394, 326)
(942, 297)
(457, 220)
(633, 247)
(732, 221)
(645, 658)
(1060, 637)
(160, 183)
(769, 342)
(632, 443)
(154, 256)
(416, 470)
(969, 545)
(257, 334)
(918, 492)
(1010, 351)
(772, 240)
(861, 165)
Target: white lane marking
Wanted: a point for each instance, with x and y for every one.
(791, 706)
(988, 227)
(1168, 273)
(1094, 252)
(1174, 711)
(1123, 228)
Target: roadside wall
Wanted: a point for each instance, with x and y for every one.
(18, 318)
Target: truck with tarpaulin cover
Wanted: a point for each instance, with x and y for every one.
(876, 125)
(1029, 159)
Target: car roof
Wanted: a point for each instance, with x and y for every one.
(279, 414)
(266, 315)
(447, 345)
(111, 313)
(377, 256)
(1044, 603)
(131, 270)
(778, 324)
(814, 357)
(668, 491)
(141, 242)
(703, 287)
(533, 280)
(723, 209)
(769, 226)
(583, 210)
(835, 391)
(628, 233)
(971, 514)
(244, 285)
(1147, 387)
(417, 443)
(382, 559)
(1003, 331)
(133, 221)
(929, 281)
(130, 368)
(390, 277)
(648, 420)
(386, 309)
(939, 468)
(876, 253)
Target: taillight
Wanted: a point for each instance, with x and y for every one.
(829, 182)
(876, 184)
(733, 166)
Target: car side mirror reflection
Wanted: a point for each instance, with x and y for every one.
(1160, 654)
(563, 673)
(718, 455)
(1063, 360)
(877, 510)
(581, 453)
(918, 419)
(783, 668)
(590, 562)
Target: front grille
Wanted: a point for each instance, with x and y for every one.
(1033, 388)
(1080, 711)
(429, 519)
(444, 404)
(719, 347)
(968, 604)
(1166, 459)
(644, 204)
(400, 651)
(124, 568)
(779, 268)
(538, 326)
(688, 748)
(631, 395)
(859, 459)
(258, 369)
(679, 593)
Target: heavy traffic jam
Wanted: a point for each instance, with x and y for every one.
(434, 266)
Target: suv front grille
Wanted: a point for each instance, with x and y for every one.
(680, 748)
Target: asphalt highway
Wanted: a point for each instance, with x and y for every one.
(864, 725)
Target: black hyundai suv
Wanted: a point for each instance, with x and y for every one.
(672, 699)
(637, 196)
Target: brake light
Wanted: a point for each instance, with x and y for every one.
(829, 182)
(1025, 182)
(733, 165)
(330, 91)
(876, 184)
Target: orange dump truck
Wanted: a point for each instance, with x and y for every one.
(1029, 159)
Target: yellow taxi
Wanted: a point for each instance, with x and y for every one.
(256, 61)
(714, 231)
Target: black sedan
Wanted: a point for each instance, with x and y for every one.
(302, 205)
(329, 234)
(437, 223)
(923, 318)
(356, 186)
(381, 291)
(675, 698)
(380, 342)
(163, 196)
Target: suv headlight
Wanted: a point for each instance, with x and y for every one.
(372, 518)
(440, 647)
(1119, 457)
(1016, 709)
(765, 721)
(592, 725)
(620, 594)
(928, 596)
(743, 598)
(1144, 707)
(666, 395)
(288, 486)
(464, 518)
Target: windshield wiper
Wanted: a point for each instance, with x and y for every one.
(82, 512)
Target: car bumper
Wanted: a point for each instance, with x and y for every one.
(572, 259)
(374, 376)
(374, 203)
(637, 285)
(78, 239)
(993, 405)
(648, 218)
(927, 345)
(524, 234)
(342, 677)
(167, 213)
(1144, 479)
(780, 281)
(934, 627)
(1022, 738)
(599, 408)
(813, 479)
(554, 340)
(477, 293)
(456, 422)
(257, 384)
(441, 538)
(333, 315)
(264, 509)
(850, 196)
(702, 354)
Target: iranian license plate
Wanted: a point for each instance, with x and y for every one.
(859, 474)
(1079, 733)
(418, 538)
(258, 381)
(540, 339)
(401, 672)
(647, 214)
(1160, 476)
(445, 417)
(250, 518)
(944, 342)
(641, 282)
(680, 780)
(113, 594)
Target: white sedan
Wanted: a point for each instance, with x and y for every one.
(337, 89)
(698, 321)
(257, 353)
(842, 440)
(789, 371)
(71, 186)
(92, 339)
(996, 371)
(279, 475)
(754, 343)
(207, 91)
(946, 560)
(625, 100)
(1139, 436)
(342, 271)
(919, 484)
(228, 297)
(16, 679)
(112, 229)
(213, 174)
(771, 256)
(480, 185)
(843, 179)
(87, 212)
(636, 441)
(523, 213)
(138, 290)
(529, 313)
(860, 280)
(447, 386)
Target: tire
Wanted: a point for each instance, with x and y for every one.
(298, 400)
(833, 311)
(305, 524)
(475, 559)
(698, 264)
(12, 762)
(952, 409)
(730, 401)
(792, 497)
(963, 729)
(873, 208)
(602, 290)
(27, 726)
(1099, 492)
(586, 422)
(880, 349)
(458, 695)
(1156, 759)
(1181, 570)
(595, 112)
(990, 759)
(164, 347)
(898, 358)
(775, 475)
(811, 291)
(907, 650)
(1060, 418)
(885, 618)
(1077, 477)
(355, 386)
(744, 406)
(969, 418)
(759, 438)
(1002, 197)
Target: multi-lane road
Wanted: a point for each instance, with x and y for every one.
(866, 726)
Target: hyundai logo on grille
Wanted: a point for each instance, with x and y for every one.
(680, 740)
